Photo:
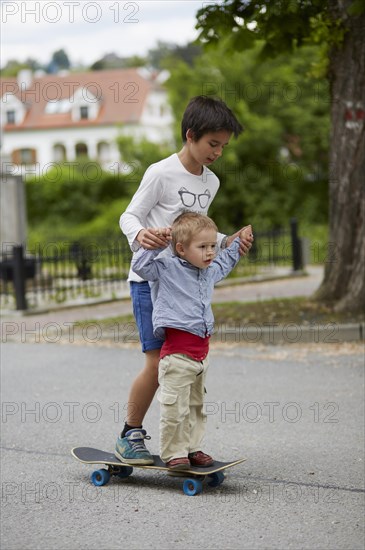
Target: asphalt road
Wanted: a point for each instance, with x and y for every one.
(296, 412)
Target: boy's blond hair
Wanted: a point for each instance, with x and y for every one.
(186, 226)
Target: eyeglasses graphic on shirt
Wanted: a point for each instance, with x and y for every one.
(189, 199)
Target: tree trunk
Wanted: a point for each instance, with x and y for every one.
(344, 279)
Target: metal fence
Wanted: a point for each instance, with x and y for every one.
(79, 272)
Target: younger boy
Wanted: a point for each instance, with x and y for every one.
(183, 318)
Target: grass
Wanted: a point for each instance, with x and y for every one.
(280, 311)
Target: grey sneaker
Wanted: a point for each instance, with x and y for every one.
(131, 448)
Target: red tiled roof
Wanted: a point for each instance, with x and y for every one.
(122, 94)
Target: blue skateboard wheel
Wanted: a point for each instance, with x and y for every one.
(100, 477)
(125, 471)
(216, 479)
(192, 487)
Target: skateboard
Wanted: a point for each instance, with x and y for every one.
(192, 485)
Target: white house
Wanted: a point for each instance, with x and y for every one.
(47, 119)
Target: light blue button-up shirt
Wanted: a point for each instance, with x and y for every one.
(183, 296)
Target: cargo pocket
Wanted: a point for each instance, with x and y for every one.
(166, 398)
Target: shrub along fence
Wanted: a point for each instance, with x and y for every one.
(79, 272)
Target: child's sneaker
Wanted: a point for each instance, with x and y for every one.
(178, 464)
(131, 448)
(200, 459)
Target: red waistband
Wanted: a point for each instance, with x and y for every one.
(180, 341)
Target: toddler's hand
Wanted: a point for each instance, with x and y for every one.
(246, 239)
(246, 233)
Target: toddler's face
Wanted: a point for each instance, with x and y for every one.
(202, 250)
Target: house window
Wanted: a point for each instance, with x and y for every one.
(10, 117)
(81, 150)
(84, 112)
(103, 150)
(59, 152)
(26, 156)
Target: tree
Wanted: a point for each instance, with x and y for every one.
(113, 61)
(60, 60)
(12, 68)
(157, 54)
(339, 26)
(162, 55)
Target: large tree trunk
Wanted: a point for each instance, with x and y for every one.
(344, 279)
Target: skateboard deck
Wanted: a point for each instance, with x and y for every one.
(194, 476)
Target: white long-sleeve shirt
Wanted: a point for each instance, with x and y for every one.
(167, 189)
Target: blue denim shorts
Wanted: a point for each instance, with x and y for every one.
(142, 309)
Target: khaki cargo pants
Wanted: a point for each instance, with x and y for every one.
(181, 397)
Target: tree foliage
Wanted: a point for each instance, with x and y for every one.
(277, 168)
(60, 58)
(113, 61)
(164, 52)
(282, 26)
(140, 154)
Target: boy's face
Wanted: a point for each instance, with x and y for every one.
(202, 250)
(209, 147)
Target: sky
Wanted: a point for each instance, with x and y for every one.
(87, 30)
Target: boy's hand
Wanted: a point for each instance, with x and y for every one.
(154, 237)
(246, 239)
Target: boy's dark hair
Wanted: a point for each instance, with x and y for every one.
(207, 114)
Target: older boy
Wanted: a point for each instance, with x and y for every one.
(181, 182)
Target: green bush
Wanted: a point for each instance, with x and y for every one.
(74, 201)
